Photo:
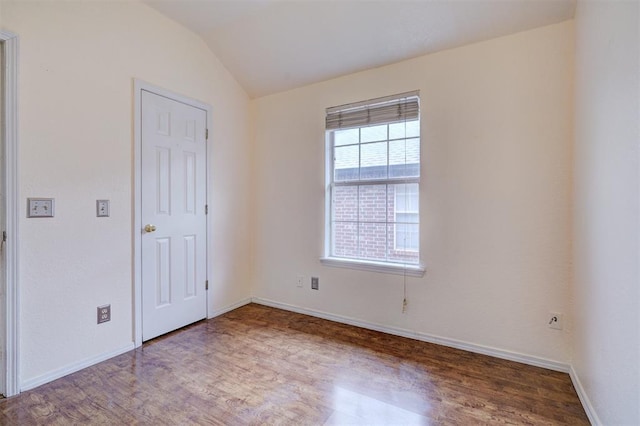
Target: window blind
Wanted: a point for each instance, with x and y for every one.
(390, 109)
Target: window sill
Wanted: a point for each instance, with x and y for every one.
(385, 268)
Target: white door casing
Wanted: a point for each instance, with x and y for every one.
(11, 294)
(173, 194)
(3, 283)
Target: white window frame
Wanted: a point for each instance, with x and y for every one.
(391, 267)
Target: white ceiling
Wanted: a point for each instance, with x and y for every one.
(275, 45)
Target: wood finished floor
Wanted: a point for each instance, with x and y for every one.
(259, 365)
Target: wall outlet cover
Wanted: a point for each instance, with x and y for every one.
(102, 208)
(556, 321)
(104, 313)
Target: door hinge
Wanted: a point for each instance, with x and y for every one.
(206, 285)
(206, 209)
(206, 134)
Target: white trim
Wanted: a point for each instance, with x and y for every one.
(328, 167)
(136, 223)
(138, 87)
(444, 341)
(11, 364)
(74, 367)
(382, 267)
(229, 308)
(584, 398)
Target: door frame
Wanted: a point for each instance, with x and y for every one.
(11, 332)
(139, 87)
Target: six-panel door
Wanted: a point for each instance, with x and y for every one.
(173, 201)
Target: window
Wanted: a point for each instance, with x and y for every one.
(373, 178)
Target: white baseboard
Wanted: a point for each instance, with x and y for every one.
(584, 398)
(444, 341)
(229, 308)
(72, 368)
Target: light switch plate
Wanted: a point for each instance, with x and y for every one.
(40, 207)
(102, 208)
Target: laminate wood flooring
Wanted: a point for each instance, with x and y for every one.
(263, 366)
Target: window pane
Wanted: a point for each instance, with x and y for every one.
(374, 133)
(344, 239)
(404, 129)
(372, 203)
(397, 130)
(372, 241)
(374, 161)
(345, 204)
(413, 128)
(407, 198)
(346, 137)
(403, 243)
(404, 158)
(346, 162)
(406, 237)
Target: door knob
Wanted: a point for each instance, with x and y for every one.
(149, 228)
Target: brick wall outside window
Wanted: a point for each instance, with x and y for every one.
(373, 206)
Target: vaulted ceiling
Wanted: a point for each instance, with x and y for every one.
(276, 45)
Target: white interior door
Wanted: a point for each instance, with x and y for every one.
(173, 202)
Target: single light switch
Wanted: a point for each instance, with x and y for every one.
(102, 208)
(40, 207)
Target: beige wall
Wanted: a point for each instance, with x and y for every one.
(606, 339)
(495, 195)
(77, 65)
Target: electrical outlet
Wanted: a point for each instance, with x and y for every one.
(300, 281)
(315, 283)
(102, 208)
(555, 321)
(104, 313)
